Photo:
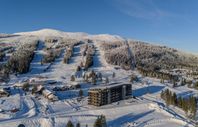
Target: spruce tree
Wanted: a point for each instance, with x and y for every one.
(174, 83)
(78, 125)
(98, 122)
(100, 76)
(193, 106)
(103, 121)
(72, 78)
(86, 78)
(26, 86)
(113, 75)
(162, 80)
(179, 102)
(107, 80)
(174, 99)
(80, 93)
(69, 124)
(162, 94)
(78, 68)
(93, 80)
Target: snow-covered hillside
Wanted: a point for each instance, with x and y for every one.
(74, 35)
(54, 33)
(44, 89)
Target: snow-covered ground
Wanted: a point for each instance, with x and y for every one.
(125, 114)
(147, 110)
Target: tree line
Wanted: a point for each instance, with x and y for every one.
(50, 56)
(158, 74)
(100, 122)
(20, 60)
(68, 54)
(189, 104)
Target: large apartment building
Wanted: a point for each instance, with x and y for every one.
(108, 94)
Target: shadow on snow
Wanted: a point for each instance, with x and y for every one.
(145, 90)
(127, 118)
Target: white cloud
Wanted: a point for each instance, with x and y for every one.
(147, 9)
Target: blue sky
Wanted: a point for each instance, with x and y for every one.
(167, 22)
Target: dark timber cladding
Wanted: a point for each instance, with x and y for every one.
(108, 94)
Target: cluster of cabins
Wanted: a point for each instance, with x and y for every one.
(108, 94)
(72, 86)
(39, 88)
(50, 94)
(47, 93)
(98, 96)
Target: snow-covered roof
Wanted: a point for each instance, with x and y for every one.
(46, 92)
(40, 87)
(111, 85)
(2, 90)
(19, 84)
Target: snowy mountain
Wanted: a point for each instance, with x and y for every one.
(2, 35)
(53, 33)
(74, 35)
(45, 77)
(144, 55)
(119, 51)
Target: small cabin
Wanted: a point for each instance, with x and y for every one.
(14, 110)
(4, 92)
(19, 85)
(39, 89)
(49, 95)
